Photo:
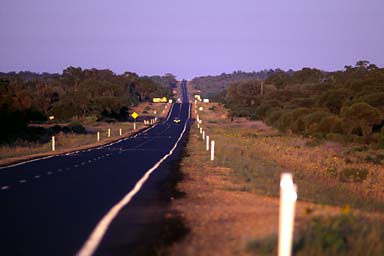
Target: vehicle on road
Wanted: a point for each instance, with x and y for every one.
(176, 120)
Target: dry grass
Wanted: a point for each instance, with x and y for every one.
(230, 210)
(222, 215)
(258, 154)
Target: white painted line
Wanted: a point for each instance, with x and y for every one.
(89, 161)
(49, 173)
(82, 163)
(37, 176)
(76, 165)
(4, 187)
(68, 168)
(21, 163)
(59, 170)
(97, 234)
(22, 181)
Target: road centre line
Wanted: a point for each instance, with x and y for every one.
(98, 233)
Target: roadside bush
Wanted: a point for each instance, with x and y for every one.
(283, 124)
(273, 117)
(77, 127)
(360, 116)
(265, 107)
(337, 137)
(330, 124)
(312, 120)
(353, 174)
(341, 235)
(297, 125)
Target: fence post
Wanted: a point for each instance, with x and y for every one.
(288, 198)
(53, 143)
(212, 150)
(98, 136)
(207, 142)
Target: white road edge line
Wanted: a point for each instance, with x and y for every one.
(98, 233)
(29, 161)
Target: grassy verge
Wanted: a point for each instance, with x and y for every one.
(258, 154)
(344, 234)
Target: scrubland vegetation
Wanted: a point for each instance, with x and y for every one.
(342, 106)
(347, 175)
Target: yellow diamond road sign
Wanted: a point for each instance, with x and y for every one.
(134, 115)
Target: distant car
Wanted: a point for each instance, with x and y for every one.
(176, 120)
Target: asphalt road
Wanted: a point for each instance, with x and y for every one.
(52, 206)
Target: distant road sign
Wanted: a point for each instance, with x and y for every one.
(134, 115)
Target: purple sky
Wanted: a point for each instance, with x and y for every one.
(189, 37)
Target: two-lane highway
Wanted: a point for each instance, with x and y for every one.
(64, 205)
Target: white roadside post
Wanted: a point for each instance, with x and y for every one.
(207, 142)
(134, 126)
(201, 130)
(288, 197)
(53, 143)
(120, 132)
(203, 135)
(212, 150)
(98, 136)
(109, 132)
(198, 125)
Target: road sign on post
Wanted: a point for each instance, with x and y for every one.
(134, 115)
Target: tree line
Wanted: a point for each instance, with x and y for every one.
(347, 104)
(210, 86)
(29, 97)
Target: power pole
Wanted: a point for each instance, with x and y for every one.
(262, 87)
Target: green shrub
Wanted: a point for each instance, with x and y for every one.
(330, 124)
(336, 137)
(273, 116)
(312, 120)
(341, 235)
(283, 124)
(353, 174)
(77, 127)
(361, 116)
